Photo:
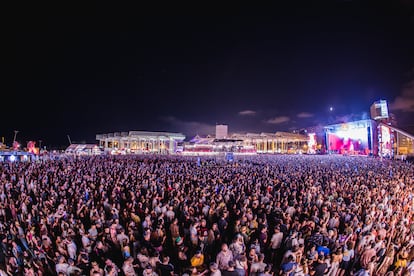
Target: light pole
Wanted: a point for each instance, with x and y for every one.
(15, 134)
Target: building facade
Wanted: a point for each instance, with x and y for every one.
(249, 143)
(394, 142)
(141, 142)
(222, 131)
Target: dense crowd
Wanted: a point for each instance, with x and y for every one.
(149, 215)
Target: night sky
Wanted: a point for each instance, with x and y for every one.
(98, 69)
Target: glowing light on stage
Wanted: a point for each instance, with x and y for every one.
(349, 138)
(31, 147)
(312, 143)
(385, 142)
(12, 158)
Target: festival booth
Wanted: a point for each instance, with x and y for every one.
(16, 156)
(83, 149)
(141, 142)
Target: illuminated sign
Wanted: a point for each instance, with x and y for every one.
(385, 141)
(312, 143)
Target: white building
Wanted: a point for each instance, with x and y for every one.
(222, 131)
(141, 142)
(248, 143)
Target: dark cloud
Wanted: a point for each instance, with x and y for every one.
(405, 101)
(190, 128)
(305, 115)
(247, 113)
(278, 120)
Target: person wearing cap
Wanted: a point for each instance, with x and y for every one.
(149, 271)
(178, 241)
(181, 254)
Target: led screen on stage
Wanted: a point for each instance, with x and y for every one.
(385, 141)
(349, 138)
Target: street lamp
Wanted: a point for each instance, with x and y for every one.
(15, 134)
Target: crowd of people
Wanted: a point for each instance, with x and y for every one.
(154, 215)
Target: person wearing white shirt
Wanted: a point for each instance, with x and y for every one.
(276, 242)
